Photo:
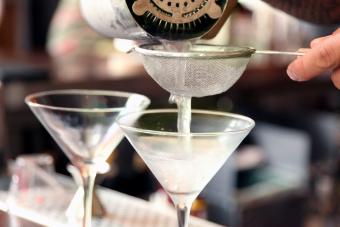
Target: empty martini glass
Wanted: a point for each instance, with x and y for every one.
(82, 122)
(184, 163)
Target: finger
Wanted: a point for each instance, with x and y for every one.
(317, 61)
(336, 77)
(318, 41)
(337, 31)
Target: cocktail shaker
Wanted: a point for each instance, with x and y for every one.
(112, 18)
(155, 19)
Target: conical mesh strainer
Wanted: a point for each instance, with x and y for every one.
(204, 70)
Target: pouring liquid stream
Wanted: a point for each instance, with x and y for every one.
(184, 112)
(181, 196)
(183, 102)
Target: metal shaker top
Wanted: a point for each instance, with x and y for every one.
(176, 19)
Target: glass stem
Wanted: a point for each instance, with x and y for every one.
(89, 176)
(183, 213)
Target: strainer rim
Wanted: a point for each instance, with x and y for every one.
(243, 51)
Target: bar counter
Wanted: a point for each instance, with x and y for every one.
(8, 220)
(48, 207)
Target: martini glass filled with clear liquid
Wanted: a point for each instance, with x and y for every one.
(82, 122)
(184, 162)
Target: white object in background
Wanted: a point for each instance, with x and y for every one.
(31, 173)
(34, 170)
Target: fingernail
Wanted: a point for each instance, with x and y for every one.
(292, 75)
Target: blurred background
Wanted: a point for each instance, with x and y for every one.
(286, 173)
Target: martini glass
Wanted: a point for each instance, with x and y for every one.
(184, 163)
(82, 122)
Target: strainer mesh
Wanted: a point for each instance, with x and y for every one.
(206, 70)
(195, 77)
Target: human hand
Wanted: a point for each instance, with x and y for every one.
(324, 56)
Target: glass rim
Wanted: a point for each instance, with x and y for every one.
(198, 111)
(123, 94)
(218, 53)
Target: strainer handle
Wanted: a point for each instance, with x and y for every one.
(299, 52)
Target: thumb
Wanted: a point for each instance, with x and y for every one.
(320, 59)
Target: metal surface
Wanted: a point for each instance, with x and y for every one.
(112, 18)
(202, 71)
(294, 53)
(197, 51)
(146, 20)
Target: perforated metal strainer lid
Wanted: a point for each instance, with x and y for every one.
(176, 19)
